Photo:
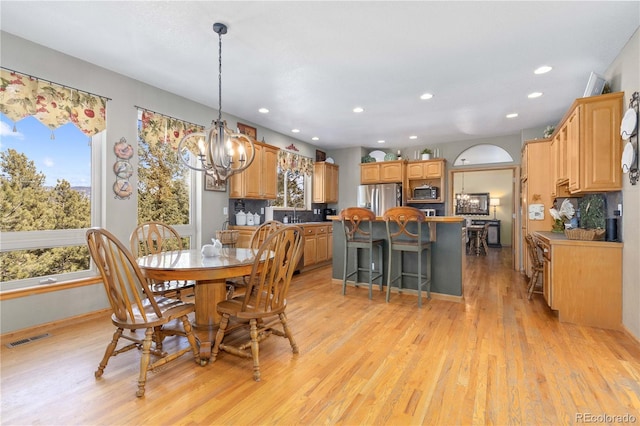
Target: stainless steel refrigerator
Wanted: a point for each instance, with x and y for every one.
(379, 198)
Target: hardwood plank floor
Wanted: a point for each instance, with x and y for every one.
(497, 358)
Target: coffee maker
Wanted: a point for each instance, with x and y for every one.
(327, 212)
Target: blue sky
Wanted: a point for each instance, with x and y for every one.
(68, 156)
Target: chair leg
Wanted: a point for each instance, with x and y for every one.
(255, 349)
(344, 269)
(380, 259)
(532, 283)
(370, 273)
(186, 324)
(389, 263)
(287, 332)
(419, 279)
(144, 360)
(486, 247)
(428, 273)
(108, 352)
(224, 322)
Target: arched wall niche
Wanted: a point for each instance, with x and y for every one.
(482, 154)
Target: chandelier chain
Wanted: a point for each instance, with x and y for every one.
(220, 76)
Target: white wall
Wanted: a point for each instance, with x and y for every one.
(624, 75)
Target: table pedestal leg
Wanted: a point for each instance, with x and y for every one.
(207, 295)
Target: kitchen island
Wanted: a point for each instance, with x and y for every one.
(447, 256)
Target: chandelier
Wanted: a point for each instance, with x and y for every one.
(219, 151)
(462, 198)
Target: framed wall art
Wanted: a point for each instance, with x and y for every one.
(248, 130)
(213, 184)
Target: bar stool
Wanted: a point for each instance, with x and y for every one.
(357, 226)
(404, 233)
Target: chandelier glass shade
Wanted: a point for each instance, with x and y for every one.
(218, 150)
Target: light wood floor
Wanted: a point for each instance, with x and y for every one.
(498, 358)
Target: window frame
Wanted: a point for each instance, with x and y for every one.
(308, 193)
(29, 240)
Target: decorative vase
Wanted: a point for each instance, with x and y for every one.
(426, 156)
(558, 226)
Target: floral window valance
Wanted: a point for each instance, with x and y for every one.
(53, 105)
(288, 161)
(157, 128)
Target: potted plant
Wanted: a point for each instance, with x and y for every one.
(426, 154)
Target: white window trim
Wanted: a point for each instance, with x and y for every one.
(63, 237)
(308, 193)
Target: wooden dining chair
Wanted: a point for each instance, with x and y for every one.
(257, 238)
(135, 307)
(264, 303)
(155, 237)
(537, 265)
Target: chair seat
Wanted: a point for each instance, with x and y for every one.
(170, 308)
(234, 307)
(410, 245)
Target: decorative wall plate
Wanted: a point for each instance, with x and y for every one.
(122, 149)
(122, 188)
(628, 125)
(123, 169)
(377, 155)
(628, 155)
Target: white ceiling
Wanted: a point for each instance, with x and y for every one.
(310, 63)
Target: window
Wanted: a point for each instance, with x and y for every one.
(292, 190)
(165, 189)
(294, 181)
(52, 137)
(47, 202)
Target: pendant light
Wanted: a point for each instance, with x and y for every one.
(220, 151)
(462, 198)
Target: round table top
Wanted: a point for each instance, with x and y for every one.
(193, 260)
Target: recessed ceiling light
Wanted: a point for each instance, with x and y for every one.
(381, 141)
(358, 109)
(543, 69)
(512, 115)
(413, 137)
(315, 138)
(425, 96)
(263, 110)
(295, 130)
(534, 95)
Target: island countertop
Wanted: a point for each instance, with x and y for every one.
(437, 219)
(446, 234)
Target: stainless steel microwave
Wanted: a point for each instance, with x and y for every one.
(425, 192)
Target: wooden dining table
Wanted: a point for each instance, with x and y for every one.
(210, 275)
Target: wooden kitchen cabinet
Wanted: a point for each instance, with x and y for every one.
(425, 172)
(536, 188)
(427, 169)
(583, 280)
(259, 180)
(318, 244)
(594, 145)
(325, 182)
(382, 172)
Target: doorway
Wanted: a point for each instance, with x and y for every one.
(504, 192)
